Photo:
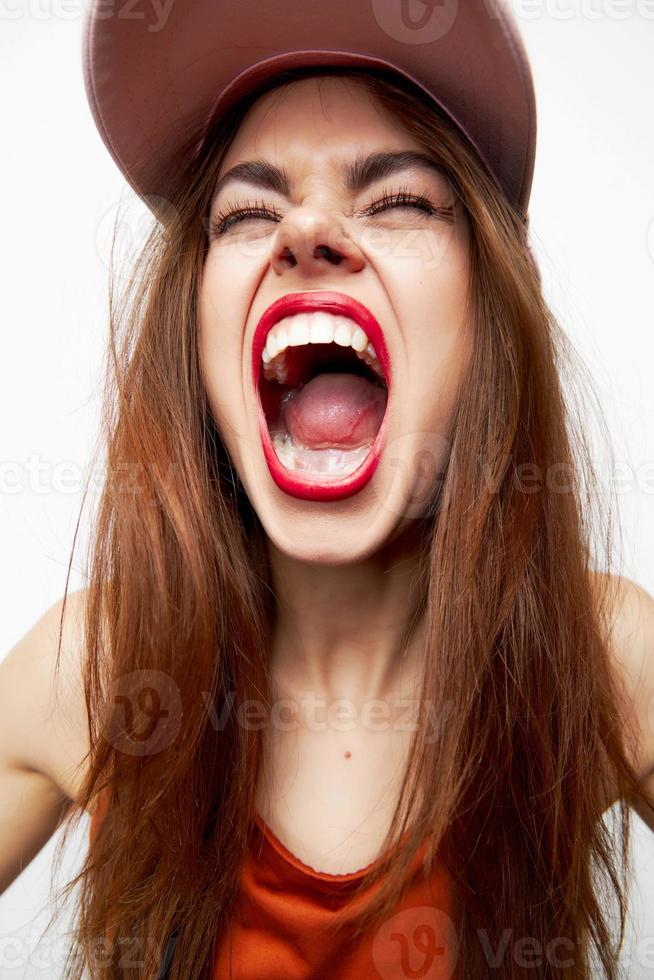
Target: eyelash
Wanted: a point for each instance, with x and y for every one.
(223, 220)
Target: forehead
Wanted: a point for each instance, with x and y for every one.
(318, 121)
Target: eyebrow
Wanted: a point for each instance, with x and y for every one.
(358, 173)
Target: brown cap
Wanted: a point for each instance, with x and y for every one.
(157, 72)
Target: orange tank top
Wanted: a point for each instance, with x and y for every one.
(283, 902)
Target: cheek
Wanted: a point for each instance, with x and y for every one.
(220, 346)
(449, 366)
(438, 377)
(437, 329)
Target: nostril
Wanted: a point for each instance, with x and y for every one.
(288, 256)
(319, 252)
(334, 257)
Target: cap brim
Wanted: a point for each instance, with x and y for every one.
(154, 77)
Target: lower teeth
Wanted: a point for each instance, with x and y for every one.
(332, 461)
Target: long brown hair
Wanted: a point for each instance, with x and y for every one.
(179, 605)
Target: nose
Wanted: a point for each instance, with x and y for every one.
(314, 240)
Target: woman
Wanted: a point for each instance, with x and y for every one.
(340, 601)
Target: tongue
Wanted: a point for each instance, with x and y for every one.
(342, 410)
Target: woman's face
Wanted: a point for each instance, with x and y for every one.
(405, 266)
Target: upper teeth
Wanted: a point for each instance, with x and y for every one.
(314, 328)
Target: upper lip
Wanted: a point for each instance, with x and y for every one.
(331, 301)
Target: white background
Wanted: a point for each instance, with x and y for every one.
(592, 227)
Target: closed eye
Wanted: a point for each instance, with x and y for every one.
(224, 220)
(398, 200)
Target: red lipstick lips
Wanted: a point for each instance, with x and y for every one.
(329, 301)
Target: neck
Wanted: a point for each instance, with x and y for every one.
(348, 631)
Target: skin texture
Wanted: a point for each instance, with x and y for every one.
(356, 555)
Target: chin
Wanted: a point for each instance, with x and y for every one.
(338, 533)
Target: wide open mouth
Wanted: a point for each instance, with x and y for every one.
(323, 393)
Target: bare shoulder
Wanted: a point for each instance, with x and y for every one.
(628, 617)
(42, 705)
